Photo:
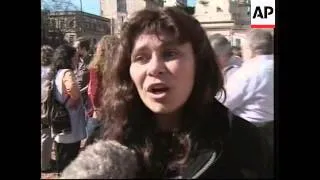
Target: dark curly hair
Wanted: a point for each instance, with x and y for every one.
(62, 58)
(125, 116)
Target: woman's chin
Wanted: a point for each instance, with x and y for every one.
(159, 108)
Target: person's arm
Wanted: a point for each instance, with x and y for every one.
(93, 83)
(243, 85)
(235, 90)
(227, 72)
(84, 89)
(71, 87)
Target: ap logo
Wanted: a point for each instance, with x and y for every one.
(262, 13)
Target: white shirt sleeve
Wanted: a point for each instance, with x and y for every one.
(249, 90)
(241, 86)
(235, 90)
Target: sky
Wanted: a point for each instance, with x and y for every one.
(93, 6)
(191, 3)
(89, 6)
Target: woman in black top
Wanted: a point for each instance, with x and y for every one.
(159, 99)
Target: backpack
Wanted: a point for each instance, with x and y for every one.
(53, 113)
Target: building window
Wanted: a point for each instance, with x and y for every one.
(48, 22)
(107, 29)
(122, 19)
(218, 9)
(238, 42)
(121, 6)
(204, 2)
(62, 25)
(92, 26)
(53, 23)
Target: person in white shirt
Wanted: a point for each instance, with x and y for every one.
(237, 53)
(223, 50)
(249, 90)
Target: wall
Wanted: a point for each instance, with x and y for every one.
(206, 10)
(73, 24)
(109, 9)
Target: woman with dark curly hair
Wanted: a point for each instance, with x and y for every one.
(159, 100)
(66, 90)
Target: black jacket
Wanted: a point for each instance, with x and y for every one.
(242, 153)
(227, 146)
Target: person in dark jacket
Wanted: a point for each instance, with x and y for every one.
(159, 100)
(81, 62)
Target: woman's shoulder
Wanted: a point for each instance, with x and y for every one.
(94, 72)
(66, 73)
(63, 72)
(220, 115)
(245, 152)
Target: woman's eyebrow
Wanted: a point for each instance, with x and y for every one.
(163, 45)
(169, 44)
(139, 49)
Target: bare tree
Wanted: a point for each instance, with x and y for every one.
(58, 5)
(51, 33)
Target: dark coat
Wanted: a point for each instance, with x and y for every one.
(227, 147)
(243, 153)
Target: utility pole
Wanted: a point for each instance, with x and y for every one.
(80, 20)
(81, 5)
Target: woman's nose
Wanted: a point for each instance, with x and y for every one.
(156, 66)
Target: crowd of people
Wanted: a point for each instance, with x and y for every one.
(189, 105)
(77, 80)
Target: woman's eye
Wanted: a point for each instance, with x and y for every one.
(139, 59)
(169, 54)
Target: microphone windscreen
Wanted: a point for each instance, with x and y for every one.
(103, 160)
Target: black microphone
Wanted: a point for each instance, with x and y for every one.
(103, 160)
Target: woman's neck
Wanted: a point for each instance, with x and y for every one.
(168, 122)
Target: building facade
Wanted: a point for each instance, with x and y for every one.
(44, 26)
(118, 10)
(230, 18)
(169, 3)
(69, 25)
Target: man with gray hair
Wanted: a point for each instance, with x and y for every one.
(249, 91)
(223, 49)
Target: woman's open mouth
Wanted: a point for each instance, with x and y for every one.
(158, 91)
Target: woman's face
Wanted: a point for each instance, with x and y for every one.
(163, 73)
